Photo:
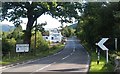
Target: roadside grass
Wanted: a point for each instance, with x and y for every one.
(94, 67)
(26, 57)
(102, 66)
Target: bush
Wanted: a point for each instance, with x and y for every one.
(8, 45)
(41, 44)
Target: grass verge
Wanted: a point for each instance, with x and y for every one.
(102, 66)
(25, 57)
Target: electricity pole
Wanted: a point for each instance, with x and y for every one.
(35, 37)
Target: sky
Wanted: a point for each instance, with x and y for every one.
(51, 22)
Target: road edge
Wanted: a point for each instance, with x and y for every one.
(30, 60)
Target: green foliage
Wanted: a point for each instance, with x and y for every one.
(8, 45)
(39, 27)
(98, 20)
(15, 10)
(102, 66)
(4, 34)
(17, 34)
(11, 38)
(0, 34)
(41, 44)
(67, 32)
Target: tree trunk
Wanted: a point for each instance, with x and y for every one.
(27, 37)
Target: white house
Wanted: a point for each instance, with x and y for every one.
(54, 35)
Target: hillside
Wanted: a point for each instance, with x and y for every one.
(73, 26)
(7, 28)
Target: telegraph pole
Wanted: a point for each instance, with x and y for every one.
(35, 38)
(116, 44)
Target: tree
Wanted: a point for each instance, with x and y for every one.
(17, 33)
(41, 44)
(8, 45)
(15, 10)
(98, 20)
(39, 27)
(67, 31)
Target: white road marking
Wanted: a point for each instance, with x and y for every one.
(51, 63)
(12, 66)
(60, 51)
(65, 57)
(43, 68)
(74, 50)
(71, 54)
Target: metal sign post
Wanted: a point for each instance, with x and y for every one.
(98, 56)
(106, 56)
(100, 44)
(115, 43)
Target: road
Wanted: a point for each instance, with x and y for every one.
(72, 59)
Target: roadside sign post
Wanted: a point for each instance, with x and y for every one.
(116, 44)
(106, 56)
(98, 56)
(100, 44)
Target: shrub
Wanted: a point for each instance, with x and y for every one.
(8, 45)
(41, 44)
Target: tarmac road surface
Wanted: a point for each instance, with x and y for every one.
(73, 59)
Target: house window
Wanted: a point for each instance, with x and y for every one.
(52, 38)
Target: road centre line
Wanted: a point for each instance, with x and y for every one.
(50, 64)
(61, 50)
(65, 57)
(43, 67)
(70, 54)
(12, 66)
(54, 62)
(40, 59)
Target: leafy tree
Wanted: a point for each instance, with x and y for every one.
(98, 20)
(41, 44)
(39, 27)
(17, 33)
(4, 34)
(8, 45)
(67, 32)
(15, 10)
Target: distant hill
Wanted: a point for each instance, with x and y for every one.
(73, 26)
(7, 28)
